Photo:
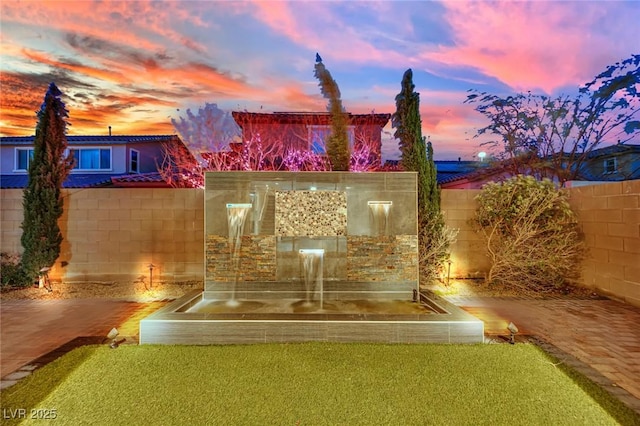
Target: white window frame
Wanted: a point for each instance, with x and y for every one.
(326, 128)
(83, 148)
(17, 160)
(137, 153)
(608, 162)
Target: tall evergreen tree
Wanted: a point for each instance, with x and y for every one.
(414, 155)
(417, 156)
(338, 142)
(431, 181)
(42, 199)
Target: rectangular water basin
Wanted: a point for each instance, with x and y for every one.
(195, 320)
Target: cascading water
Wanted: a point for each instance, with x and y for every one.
(380, 216)
(312, 266)
(259, 198)
(236, 218)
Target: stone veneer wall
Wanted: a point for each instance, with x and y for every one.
(257, 258)
(310, 213)
(378, 258)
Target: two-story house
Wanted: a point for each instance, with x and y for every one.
(279, 131)
(612, 163)
(122, 160)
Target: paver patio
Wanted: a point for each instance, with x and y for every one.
(603, 334)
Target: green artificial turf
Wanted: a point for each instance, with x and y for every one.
(313, 384)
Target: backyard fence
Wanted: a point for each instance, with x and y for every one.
(115, 234)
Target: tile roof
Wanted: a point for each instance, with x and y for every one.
(91, 139)
(614, 149)
(75, 180)
(140, 180)
(450, 170)
(313, 118)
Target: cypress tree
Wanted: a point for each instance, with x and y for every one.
(431, 181)
(417, 156)
(42, 199)
(338, 142)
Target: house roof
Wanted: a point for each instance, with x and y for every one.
(614, 149)
(311, 118)
(92, 139)
(142, 180)
(450, 170)
(74, 180)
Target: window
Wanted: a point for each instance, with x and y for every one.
(610, 165)
(134, 161)
(23, 158)
(92, 158)
(318, 136)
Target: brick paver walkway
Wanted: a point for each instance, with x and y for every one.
(604, 334)
(32, 328)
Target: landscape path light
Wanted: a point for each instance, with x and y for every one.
(513, 330)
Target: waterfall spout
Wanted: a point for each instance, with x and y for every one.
(236, 217)
(312, 264)
(259, 201)
(380, 216)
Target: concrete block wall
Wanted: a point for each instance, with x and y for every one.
(116, 233)
(609, 216)
(113, 234)
(468, 253)
(11, 216)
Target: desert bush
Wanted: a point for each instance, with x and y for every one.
(11, 274)
(532, 237)
(434, 239)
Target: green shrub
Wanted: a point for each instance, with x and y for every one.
(11, 274)
(531, 233)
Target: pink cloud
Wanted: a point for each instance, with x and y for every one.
(314, 25)
(530, 45)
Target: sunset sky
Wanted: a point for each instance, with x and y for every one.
(134, 65)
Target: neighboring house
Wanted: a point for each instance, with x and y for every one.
(608, 164)
(612, 163)
(474, 179)
(448, 170)
(281, 131)
(112, 161)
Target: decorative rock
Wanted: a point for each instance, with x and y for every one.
(310, 213)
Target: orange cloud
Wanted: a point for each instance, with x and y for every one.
(119, 22)
(102, 74)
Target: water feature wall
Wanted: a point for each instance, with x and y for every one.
(306, 256)
(368, 245)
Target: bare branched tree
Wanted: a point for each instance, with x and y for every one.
(552, 136)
